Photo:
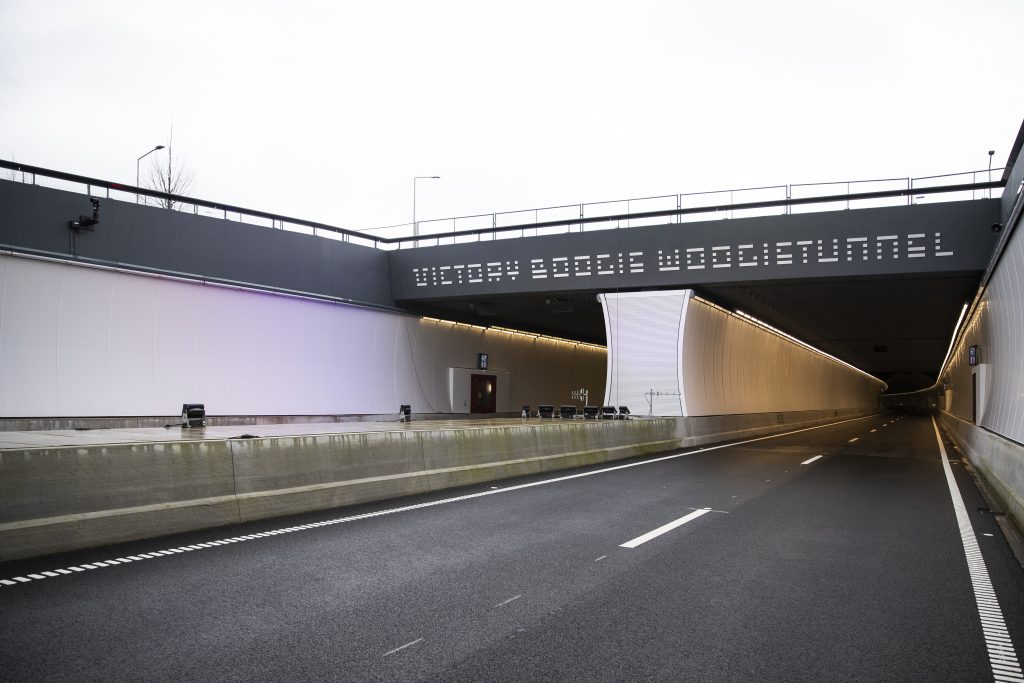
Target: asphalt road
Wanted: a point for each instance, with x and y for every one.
(849, 567)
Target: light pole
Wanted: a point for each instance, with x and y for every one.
(990, 153)
(415, 225)
(137, 162)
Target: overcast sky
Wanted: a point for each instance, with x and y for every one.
(326, 110)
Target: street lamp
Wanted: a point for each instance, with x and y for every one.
(415, 225)
(990, 153)
(137, 162)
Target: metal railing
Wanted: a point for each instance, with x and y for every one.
(583, 217)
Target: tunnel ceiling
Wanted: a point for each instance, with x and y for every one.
(897, 329)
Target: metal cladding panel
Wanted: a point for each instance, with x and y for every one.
(997, 330)
(644, 341)
(928, 238)
(78, 341)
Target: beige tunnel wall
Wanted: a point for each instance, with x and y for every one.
(81, 341)
(704, 360)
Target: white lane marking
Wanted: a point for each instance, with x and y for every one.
(512, 599)
(808, 462)
(1003, 659)
(873, 431)
(600, 558)
(398, 649)
(854, 439)
(457, 499)
(639, 540)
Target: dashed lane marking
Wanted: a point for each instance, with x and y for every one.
(809, 461)
(418, 506)
(600, 558)
(512, 599)
(854, 439)
(1001, 654)
(664, 529)
(399, 649)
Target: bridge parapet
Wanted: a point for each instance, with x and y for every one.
(907, 240)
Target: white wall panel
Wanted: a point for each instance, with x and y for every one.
(215, 361)
(644, 330)
(997, 328)
(31, 311)
(131, 319)
(728, 364)
(82, 341)
(77, 341)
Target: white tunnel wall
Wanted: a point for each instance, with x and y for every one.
(997, 329)
(722, 364)
(78, 341)
(643, 329)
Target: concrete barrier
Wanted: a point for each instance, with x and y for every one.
(701, 430)
(999, 462)
(57, 499)
(60, 499)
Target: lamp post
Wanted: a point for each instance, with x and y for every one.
(990, 153)
(415, 225)
(137, 162)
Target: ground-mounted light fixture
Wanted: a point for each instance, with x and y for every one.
(193, 415)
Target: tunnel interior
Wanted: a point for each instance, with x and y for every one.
(895, 328)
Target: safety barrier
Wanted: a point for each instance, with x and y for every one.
(59, 499)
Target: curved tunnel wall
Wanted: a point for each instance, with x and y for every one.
(705, 360)
(78, 341)
(991, 393)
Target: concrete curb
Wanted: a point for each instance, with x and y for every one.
(999, 461)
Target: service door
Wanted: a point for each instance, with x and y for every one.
(483, 393)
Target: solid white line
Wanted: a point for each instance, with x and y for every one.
(397, 649)
(512, 599)
(445, 501)
(639, 540)
(992, 624)
(808, 462)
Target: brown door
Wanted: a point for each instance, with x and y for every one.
(483, 394)
(974, 398)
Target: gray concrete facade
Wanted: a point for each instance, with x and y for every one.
(151, 239)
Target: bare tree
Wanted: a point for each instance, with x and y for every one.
(170, 177)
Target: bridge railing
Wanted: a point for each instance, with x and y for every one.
(584, 217)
